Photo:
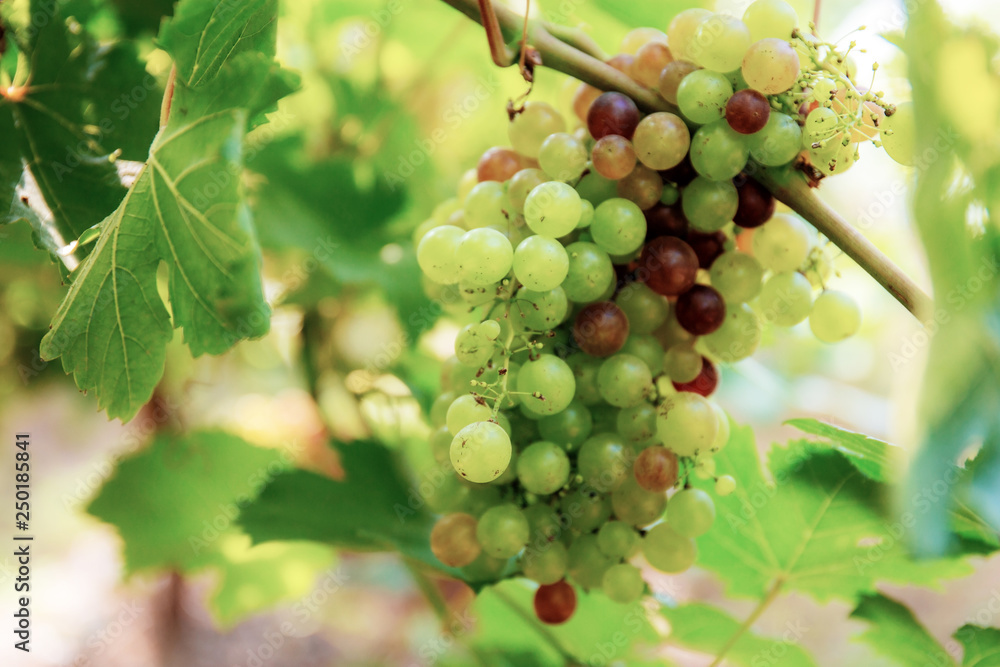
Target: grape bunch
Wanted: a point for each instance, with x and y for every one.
(602, 275)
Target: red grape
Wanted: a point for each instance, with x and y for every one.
(668, 266)
(499, 164)
(747, 111)
(622, 62)
(643, 186)
(601, 329)
(705, 383)
(682, 174)
(613, 157)
(700, 310)
(662, 220)
(555, 603)
(707, 246)
(650, 60)
(612, 113)
(656, 469)
(756, 204)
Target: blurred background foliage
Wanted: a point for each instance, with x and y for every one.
(397, 100)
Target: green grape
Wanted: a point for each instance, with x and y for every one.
(440, 442)
(605, 418)
(544, 523)
(469, 179)
(786, 299)
(595, 188)
(480, 498)
(502, 531)
(782, 243)
(437, 254)
(624, 380)
(635, 505)
(709, 205)
(645, 309)
(687, 423)
(465, 410)
(835, 316)
(439, 408)
(898, 133)
(604, 461)
(570, 427)
(637, 424)
(722, 439)
(540, 263)
(680, 33)
(485, 256)
(485, 205)
(543, 467)
(682, 363)
(671, 195)
(770, 18)
(586, 562)
(528, 129)
(443, 211)
(552, 209)
(546, 565)
(737, 276)
(453, 540)
(450, 495)
(778, 143)
(623, 583)
(550, 382)
(719, 43)
(481, 452)
(585, 370)
(539, 311)
(738, 337)
(648, 349)
(667, 551)
(771, 66)
(661, 140)
(472, 347)
(521, 185)
(639, 37)
(586, 214)
(702, 96)
(617, 539)
(691, 512)
(718, 151)
(704, 467)
(619, 227)
(478, 295)
(585, 510)
(590, 272)
(725, 485)
(491, 329)
(823, 89)
(671, 77)
(821, 123)
(485, 569)
(563, 157)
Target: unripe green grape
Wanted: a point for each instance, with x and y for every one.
(552, 209)
(439, 408)
(691, 512)
(480, 498)
(481, 452)
(661, 140)
(821, 123)
(619, 227)
(823, 89)
(771, 66)
(719, 43)
(738, 337)
(539, 311)
(737, 276)
(585, 370)
(605, 418)
(704, 467)
(437, 254)
(785, 299)
(590, 272)
(529, 129)
(563, 157)
(485, 569)
(637, 424)
(617, 539)
(687, 423)
(484, 206)
(546, 565)
(540, 263)
(587, 564)
(485, 256)
(624, 380)
(465, 410)
(834, 157)
(623, 583)
(604, 461)
(778, 143)
(472, 347)
(544, 524)
(835, 316)
(595, 188)
(898, 133)
(718, 151)
(725, 485)
(645, 309)
(585, 510)
(782, 243)
(709, 205)
(667, 551)
(671, 194)
(468, 180)
(680, 33)
(770, 18)
(672, 76)
(702, 96)
(543, 467)
(586, 214)
(722, 439)
(450, 495)
(521, 185)
(648, 349)
(440, 442)
(682, 363)
(550, 382)
(568, 428)
(453, 540)
(635, 505)
(502, 531)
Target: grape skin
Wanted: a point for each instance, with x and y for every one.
(481, 451)
(555, 603)
(453, 540)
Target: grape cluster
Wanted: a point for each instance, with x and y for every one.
(604, 273)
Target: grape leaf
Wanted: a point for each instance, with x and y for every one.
(172, 501)
(876, 459)
(703, 628)
(982, 645)
(820, 527)
(186, 208)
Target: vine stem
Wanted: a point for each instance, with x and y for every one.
(772, 594)
(560, 50)
(528, 618)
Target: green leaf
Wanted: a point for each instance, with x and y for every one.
(820, 527)
(875, 459)
(896, 634)
(982, 645)
(706, 629)
(173, 500)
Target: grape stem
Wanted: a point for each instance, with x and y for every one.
(535, 624)
(563, 49)
(771, 596)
